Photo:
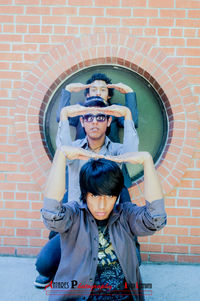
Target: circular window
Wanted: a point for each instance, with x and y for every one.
(152, 122)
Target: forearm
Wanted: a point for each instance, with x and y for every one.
(63, 136)
(131, 139)
(64, 101)
(55, 186)
(152, 187)
(131, 103)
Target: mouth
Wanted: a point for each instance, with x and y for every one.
(94, 129)
(100, 214)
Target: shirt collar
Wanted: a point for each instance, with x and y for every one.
(84, 143)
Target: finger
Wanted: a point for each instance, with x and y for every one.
(87, 86)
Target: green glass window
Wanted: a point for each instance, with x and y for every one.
(153, 123)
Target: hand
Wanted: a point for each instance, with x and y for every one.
(133, 158)
(76, 110)
(122, 88)
(73, 153)
(76, 87)
(118, 111)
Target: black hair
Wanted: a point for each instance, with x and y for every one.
(100, 177)
(100, 76)
(96, 101)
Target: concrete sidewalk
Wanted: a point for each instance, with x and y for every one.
(169, 282)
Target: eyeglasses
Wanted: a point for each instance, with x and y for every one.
(99, 117)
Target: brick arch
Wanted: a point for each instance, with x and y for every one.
(115, 49)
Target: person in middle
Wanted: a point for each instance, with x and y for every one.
(96, 119)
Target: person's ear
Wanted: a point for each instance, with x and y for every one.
(81, 121)
(109, 121)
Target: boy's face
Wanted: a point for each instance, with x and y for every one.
(95, 130)
(99, 88)
(100, 205)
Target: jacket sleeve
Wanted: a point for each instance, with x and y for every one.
(57, 217)
(64, 102)
(131, 139)
(63, 136)
(147, 219)
(131, 103)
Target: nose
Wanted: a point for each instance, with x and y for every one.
(94, 120)
(98, 91)
(102, 203)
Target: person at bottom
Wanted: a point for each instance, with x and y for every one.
(96, 140)
(98, 250)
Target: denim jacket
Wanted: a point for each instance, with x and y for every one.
(79, 241)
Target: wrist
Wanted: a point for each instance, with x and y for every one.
(61, 152)
(129, 91)
(63, 114)
(68, 88)
(148, 159)
(128, 115)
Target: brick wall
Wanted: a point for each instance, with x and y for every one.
(43, 42)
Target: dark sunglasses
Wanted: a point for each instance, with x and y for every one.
(99, 117)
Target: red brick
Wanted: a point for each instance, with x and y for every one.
(175, 249)
(196, 212)
(150, 248)
(117, 12)
(7, 250)
(189, 193)
(178, 211)
(188, 23)
(188, 51)
(16, 223)
(195, 249)
(35, 39)
(172, 42)
(28, 19)
(28, 251)
(188, 258)
(28, 232)
(51, 2)
(145, 13)
(11, 38)
(28, 214)
(175, 230)
(134, 22)
(39, 10)
(162, 258)
(194, 231)
(144, 257)
(7, 232)
(176, 32)
(6, 213)
(107, 3)
(172, 13)
(187, 4)
(134, 3)
(38, 242)
(54, 20)
(37, 225)
(182, 202)
(80, 2)
(15, 241)
(17, 205)
(107, 21)
(163, 239)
